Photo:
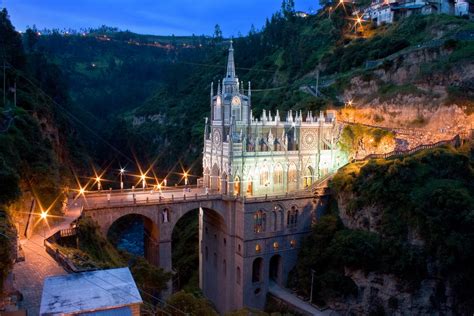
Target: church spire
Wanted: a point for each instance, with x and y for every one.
(230, 62)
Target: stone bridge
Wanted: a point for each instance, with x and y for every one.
(244, 243)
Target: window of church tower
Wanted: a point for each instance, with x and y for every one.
(236, 113)
(259, 221)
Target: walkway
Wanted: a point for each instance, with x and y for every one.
(296, 302)
(29, 275)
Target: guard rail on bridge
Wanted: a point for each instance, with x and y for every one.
(198, 197)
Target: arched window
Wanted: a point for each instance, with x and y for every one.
(259, 221)
(292, 217)
(257, 270)
(278, 175)
(264, 180)
(292, 174)
(237, 276)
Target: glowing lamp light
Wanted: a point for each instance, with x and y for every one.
(97, 179)
(257, 248)
(82, 191)
(43, 215)
(143, 177)
(122, 170)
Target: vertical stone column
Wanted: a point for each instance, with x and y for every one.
(165, 263)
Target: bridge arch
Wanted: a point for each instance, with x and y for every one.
(210, 247)
(151, 235)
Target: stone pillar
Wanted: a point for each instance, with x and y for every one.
(165, 263)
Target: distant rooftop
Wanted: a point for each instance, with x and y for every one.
(89, 291)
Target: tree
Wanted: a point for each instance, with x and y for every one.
(31, 38)
(217, 32)
(288, 8)
(188, 303)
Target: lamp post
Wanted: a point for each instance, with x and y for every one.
(97, 179)
(44, 216)
(185, 178)
(122, 171)
(143, 177)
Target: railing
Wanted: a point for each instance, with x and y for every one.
(454, 141)
(139, 190)
(67, 232)
(199, 197)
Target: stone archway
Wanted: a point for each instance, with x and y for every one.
(148, 246)
(214, 253)
(215, 178)
(275, 269)
(292, 177)
(223, 184)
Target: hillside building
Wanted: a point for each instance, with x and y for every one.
(389, 11)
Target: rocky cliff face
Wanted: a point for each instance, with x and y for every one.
(386, 293)
(414, 91)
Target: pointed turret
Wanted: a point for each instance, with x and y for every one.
(230, 62)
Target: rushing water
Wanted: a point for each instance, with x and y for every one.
(131, 238)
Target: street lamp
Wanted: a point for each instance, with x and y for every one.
(185, 178)
(43, 217)
(97, 179)
(122, 171)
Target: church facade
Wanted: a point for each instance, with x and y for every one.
(248, 156)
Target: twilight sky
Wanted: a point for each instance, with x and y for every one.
(162, 17)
